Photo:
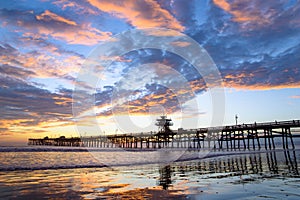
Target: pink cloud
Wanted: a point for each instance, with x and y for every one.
(86, 35)
(50, 16)
(51, 25)
(44, 63)
(181, 43)
(72, 33)
(249, 13)
(139, 13)
(295, 97)
(78, 7)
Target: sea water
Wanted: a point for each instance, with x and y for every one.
(78, 173)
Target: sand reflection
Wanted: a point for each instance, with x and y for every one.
(207, 177)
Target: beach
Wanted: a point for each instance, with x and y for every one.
(72, 174)
(149, 99)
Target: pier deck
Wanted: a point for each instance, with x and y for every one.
(241, 136)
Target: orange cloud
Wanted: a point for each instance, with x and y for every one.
(238, 76)
(35, 114)
(222, 4)
(84, 34)
(250, 81)
(16, 132)
(198, 85)
(141, 14)
(246, 12)
(295, 97)
(237, 85)
(45, 63)
(60, 100)
(168, 99)
(76, 6)
(181, 43)
(49, 16)
(161, 32)
(49, 24)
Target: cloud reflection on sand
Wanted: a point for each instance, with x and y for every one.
(270, 174)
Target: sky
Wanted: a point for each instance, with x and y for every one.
(47, 46)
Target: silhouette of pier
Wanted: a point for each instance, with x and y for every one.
(61, 141)
(266, 135)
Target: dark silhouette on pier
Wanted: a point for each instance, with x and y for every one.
(240, 136)
(61, 141)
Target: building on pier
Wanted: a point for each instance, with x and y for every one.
(165, 134)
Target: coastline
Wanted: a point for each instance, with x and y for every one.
(242, 176)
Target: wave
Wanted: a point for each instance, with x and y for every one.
(57, 149)
(188, 156)
(49, 167)
(95, 149)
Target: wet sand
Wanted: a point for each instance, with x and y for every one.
(268, 175)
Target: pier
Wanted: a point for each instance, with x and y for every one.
(61, 141)
(268, 135)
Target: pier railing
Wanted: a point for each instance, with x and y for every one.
(241, 136)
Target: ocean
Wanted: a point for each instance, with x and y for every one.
(78, 173)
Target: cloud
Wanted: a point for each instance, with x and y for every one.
(139, 13)
(257, 57)
(49, 16)
(24, 96)
(255, 45)
(252, 13)
(24, 105)
(44, 63)
(295, 97)
(156, 96)
(253, 77)
(84, 34)
(181, 43)
(16, 72)
(51, 25)
(3, 131)
(155, 85)
(79, 7)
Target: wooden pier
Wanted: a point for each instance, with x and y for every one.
(61, 141)
(267, 135)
